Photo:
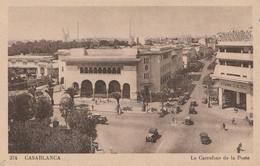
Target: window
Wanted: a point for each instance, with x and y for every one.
(25, 63)
(95, 70)
(223, 73)
(62, 69)
(90, 70)
(118, 71)
(146, 75)
(13, 62)
(222, 62)
(114, 70)
(146, 60)
(236, 75)
(81, 70)
(86, 70)
(104, 70)
(99, 70)
(146, 67)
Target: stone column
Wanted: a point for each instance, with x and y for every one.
(121, 94)
(220, 97)
(93, 92)
(107, 93)
(237, 98)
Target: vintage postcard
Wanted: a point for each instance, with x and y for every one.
(129, 84)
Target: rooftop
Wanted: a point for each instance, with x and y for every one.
(235, 43)
(28, 57)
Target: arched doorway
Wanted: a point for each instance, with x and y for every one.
(100, 89)
(126, 91)
(75, 85)
(86, 89)
(114, 86)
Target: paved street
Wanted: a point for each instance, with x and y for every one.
(126, 133)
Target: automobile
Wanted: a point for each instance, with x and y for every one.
(163, 111)
(186, 96)
(99, 119)
(152, 136)
(193, 103)
(204, 100)
(181, 100)
(188, 121)
(176, 110)
(204, 138)
(192, 110)
(102, 120)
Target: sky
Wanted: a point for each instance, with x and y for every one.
(35, 23)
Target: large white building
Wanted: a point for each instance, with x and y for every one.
(99, 72)
(234, 74)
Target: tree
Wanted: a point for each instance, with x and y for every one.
(72, 92)
(36, 136)
(43, 107)
(79, 120)
(117, 96)
(20, 107)
(144, 95)
(66, 106)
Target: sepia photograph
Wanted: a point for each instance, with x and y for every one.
(130, 79)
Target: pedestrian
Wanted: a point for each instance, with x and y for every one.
(239, 147)
(92, 107)
(173, 119)
(96, 101)
(233, 121)
(224, 126)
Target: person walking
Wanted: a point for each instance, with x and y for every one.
(233, 121)
(239, 147)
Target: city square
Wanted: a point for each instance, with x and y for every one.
(123, 86)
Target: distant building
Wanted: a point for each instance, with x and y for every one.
(234, 74)
(32, 64)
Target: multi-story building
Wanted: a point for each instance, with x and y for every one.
(157, 66)
(99, 72)
(234, 74)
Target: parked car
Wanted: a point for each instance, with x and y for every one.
(186, 96)
(192, 110)
(193, 103)
(188, 121)
(152, 136)
(99, 119)
(181, 100)
(204, 138)
(176, 110)
(204, 100)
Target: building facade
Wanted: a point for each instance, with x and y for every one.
(234, 74)
(32, 64)
(157, 66)
(99, 72)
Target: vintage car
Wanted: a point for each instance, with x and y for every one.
(163, 111)
(176, 110)
(204, 100)
(193, 103)
(186, 96)
(188, 121)
(152, 136)
(181, 100)
(192, 110)
(99, 119)
(204, 138)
